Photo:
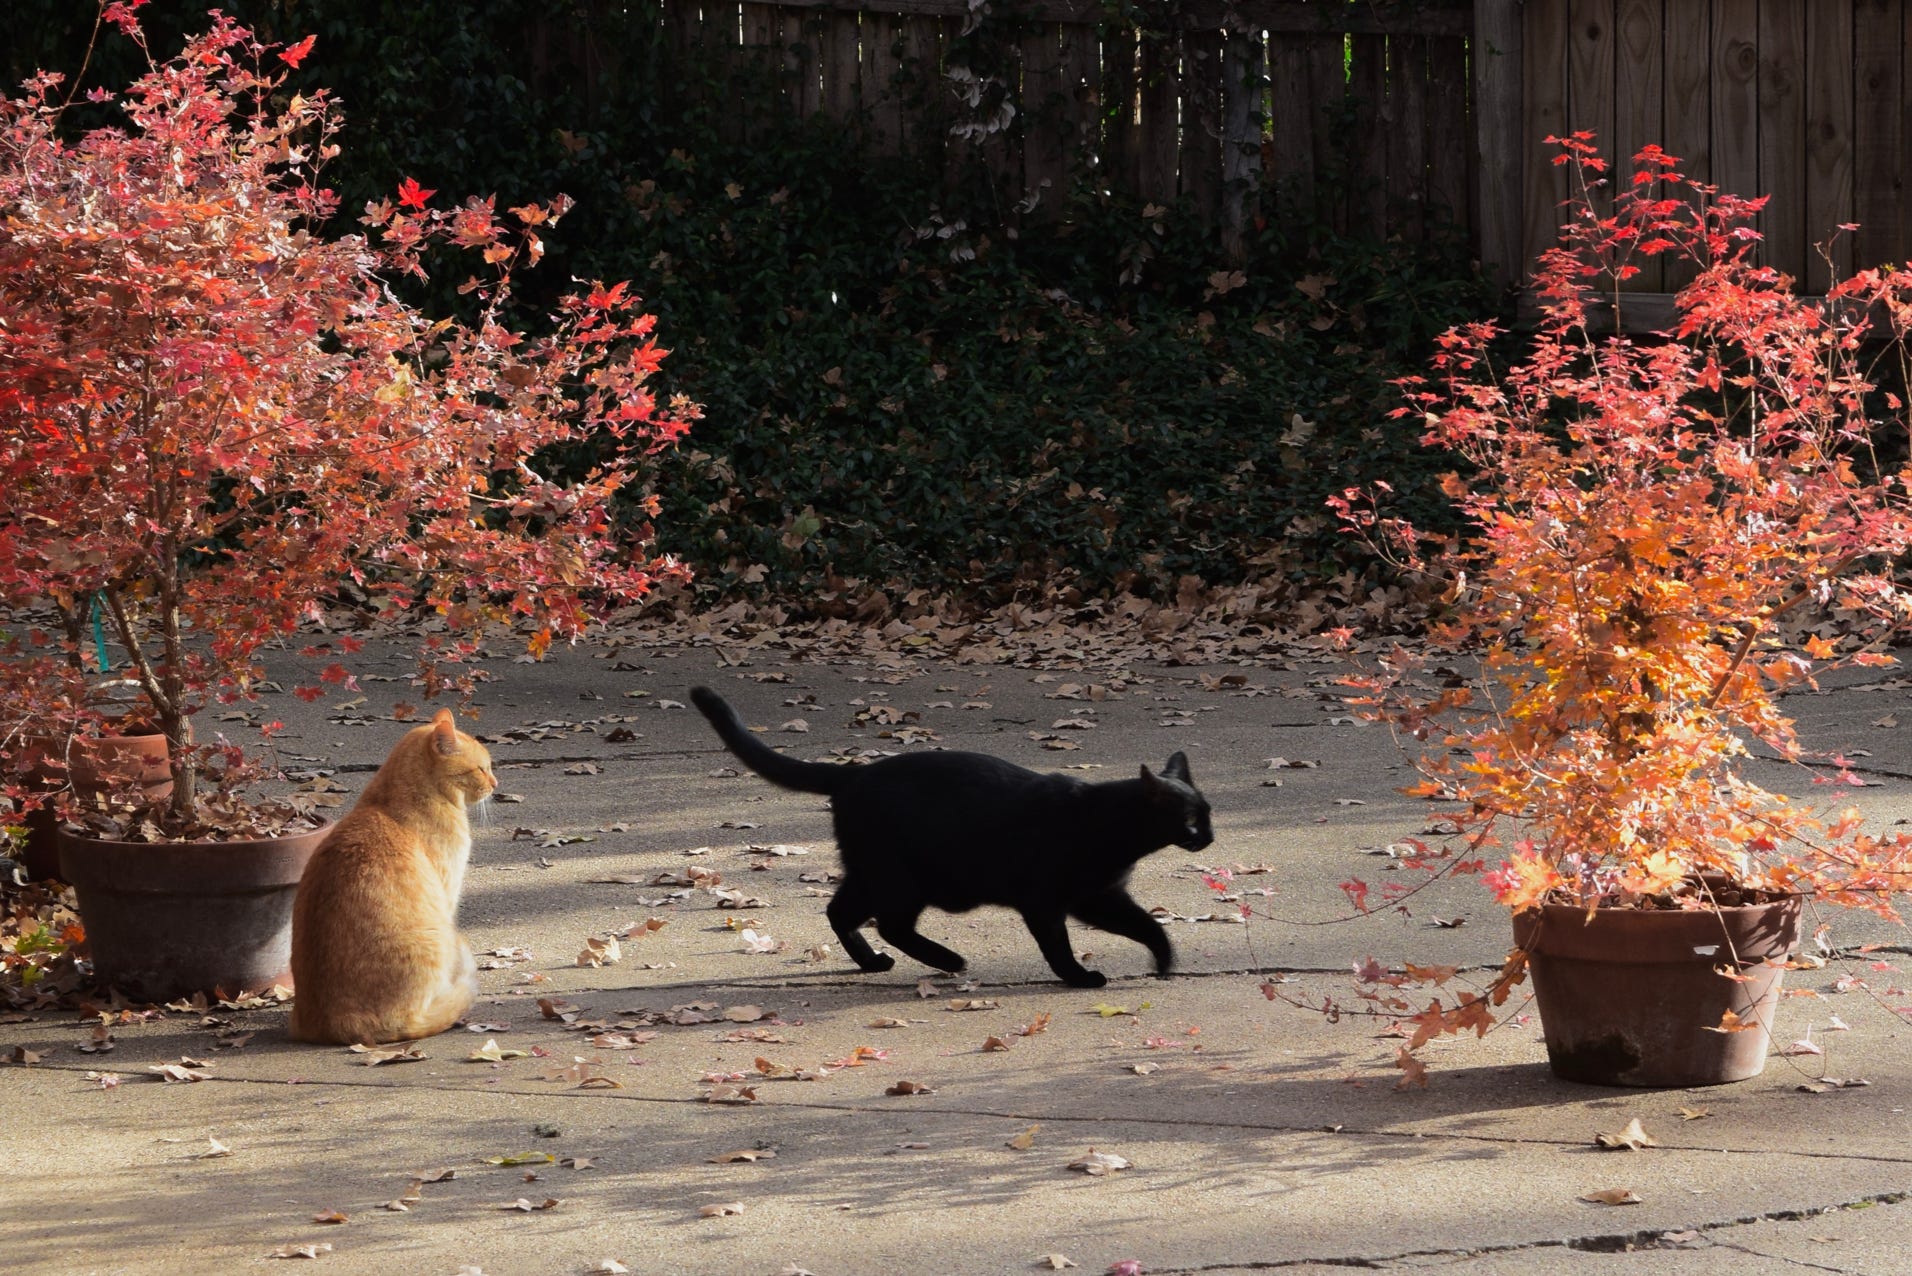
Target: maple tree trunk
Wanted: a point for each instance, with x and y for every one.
(164, 689)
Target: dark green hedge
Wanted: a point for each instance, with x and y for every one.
(887, 398)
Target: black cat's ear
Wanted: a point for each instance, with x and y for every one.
(1150, 784)
(1177, 768)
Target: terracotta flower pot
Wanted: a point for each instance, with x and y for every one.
(167, 919)
(1633, 996)
(130, 758)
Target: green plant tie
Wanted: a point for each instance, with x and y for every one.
(99, 634)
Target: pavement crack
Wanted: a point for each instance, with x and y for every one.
(1596, 1243)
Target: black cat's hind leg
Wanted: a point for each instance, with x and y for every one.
(1118, 914)
(847, 910)
(898, 929)
(1052, 936)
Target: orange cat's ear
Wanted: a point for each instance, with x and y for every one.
(445, 732)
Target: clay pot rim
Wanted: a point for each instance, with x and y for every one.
(1748, 933)
(76, 832)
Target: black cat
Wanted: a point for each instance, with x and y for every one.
(957, 830)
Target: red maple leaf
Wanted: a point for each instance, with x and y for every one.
(412, 195)
(296, 54)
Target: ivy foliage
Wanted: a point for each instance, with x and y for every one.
(896, 389)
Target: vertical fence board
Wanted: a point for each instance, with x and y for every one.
(1689, 43)
(1293, 124)
(1118, 107)
(1045, 117)
(882, 82)
(1590, 84)
(760, 25)
(1201, 158)
(1367, 96)
(1082, 87)
(683, 43)
(1406, 114)
(1544, 57)
(840, 62)
(1244, 121)
(1879, 132)
(1782, 134)
(797, 32)
(1157, 133)
(1639, 103)
(1498, 58)
(1830, 61)
(767, 100)
(1449, 176)
(1735, 96)
(924, 96)
(1328, 90)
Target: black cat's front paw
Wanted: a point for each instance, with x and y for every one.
(1086, 979)
(876, 963)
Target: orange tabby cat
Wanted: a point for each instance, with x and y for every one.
(376, 953)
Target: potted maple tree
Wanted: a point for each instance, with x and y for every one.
(218, 423)
(1648, 524)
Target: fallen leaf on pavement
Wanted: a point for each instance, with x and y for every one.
(972, 1003)
(600, 952)
(517, 1158)
(173, 1072)
(608, 1267)
(331, 1216)
(1805, 1045)
(1100, 1163)
(994, 1043)
(1611, 1196)
(214, 1148)
(858, 1057)
(719, 1211)
(1693, 1114)
(490, 1052)
(301, 1251)
(527, 1207)
(909, 1087)
(1024, 1141)
(1039, 1024)
(742, 1154)
(1054, 1262)
(371, 1057)
(1631, 1139)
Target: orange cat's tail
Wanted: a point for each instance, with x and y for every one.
(789, 773)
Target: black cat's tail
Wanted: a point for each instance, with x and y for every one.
(789, 773)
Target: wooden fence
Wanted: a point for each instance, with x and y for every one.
(1376, 118)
